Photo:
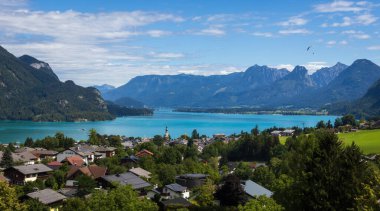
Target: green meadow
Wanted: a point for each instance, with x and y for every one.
(367, 140)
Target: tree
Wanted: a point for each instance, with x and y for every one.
(349, 120)
(7, 160)
(171, 155)
(205, 195)
(93, 137)
(255, 131)
(325, 162)
(321, 124)
(9, 200)
(28, 142)
(195, 134)
(231, 193)
(158, 140)
(263, 176)
(35, 205)
(243, 171)
(166, 173)
(338, 122)
(75, 204)
(85, 185)
(261, 203)
(121, 198)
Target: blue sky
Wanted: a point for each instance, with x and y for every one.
(97, 42)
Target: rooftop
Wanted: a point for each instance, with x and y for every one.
(140, 172)
(253, 189)
(32, 169)
(127, 179)
(47, 196)
(176, 187)
(193, 176)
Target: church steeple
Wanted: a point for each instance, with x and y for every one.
(167, 135)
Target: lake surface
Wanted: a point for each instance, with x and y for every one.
(147, 126)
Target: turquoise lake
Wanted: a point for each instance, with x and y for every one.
(147, 126)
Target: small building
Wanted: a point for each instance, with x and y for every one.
(191, 180)
(174, 204)
(48, 197)
(140, 172)
(44, 154)
(175, 190)
(24, 157)
(287, 132)
(127, 178)
(54, 165)
(254, 190)
(130, 160)
(29, 173)
(105, 152)
(276, 133)
(92, 171)
(74, 160)
(68, 153)
(144, 153)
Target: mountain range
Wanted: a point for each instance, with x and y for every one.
(30, 90)
(258, 86)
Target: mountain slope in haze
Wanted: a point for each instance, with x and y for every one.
(351, 84)
(325, 75)
(192, 90)
(366, 106)
(104, 88)
(29, 90)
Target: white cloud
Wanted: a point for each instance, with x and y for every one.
(341, 6)
(212, 31)
(314, 66)
(346, 22)
(331, 42)
(366, 19)
(158, 33)
(289, 67)
(294, 21)
(357, 34)
(294, 31)
(343, 42)
(374, 48)
(262, 34)
(167, 55)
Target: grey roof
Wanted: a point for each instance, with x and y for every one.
(193, 176)
(177, 201)
(68, 192)
(176, 187)
(127, 179)
(33, 169)
(140, 172)
(47, 196)
(288, 131)
(23, 156)
(253, 189)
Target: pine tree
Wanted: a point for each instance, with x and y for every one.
(7, 160)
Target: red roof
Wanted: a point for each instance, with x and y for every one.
(54, 163)
(93, 171)
(74, 160)
(144, 152)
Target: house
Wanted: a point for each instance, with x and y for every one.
(127, 144)
(105, 151)
(276, 133)
(68, 153)
(144, 153)
(68, 192)
(24, 157)
(253, 189)
(44, 154)
(48, 197)
(287, 132)
(127, 178)
(175, 190)
(74, 160)
(54, 165)
(191, 180)
(174, 204)
(130, 160)
(92, 171)
(29, 173)
(140, 172)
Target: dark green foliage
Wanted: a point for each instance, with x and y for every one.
(194, 134)
(28, 142)
(158, 140)
(75, 204)
(58, 142)
(231, 193)
(118, 110)
(85, 185)
(7, 160)
(35, 205)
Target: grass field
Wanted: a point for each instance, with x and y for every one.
(367, 140)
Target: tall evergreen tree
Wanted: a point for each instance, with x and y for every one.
(7, 160)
